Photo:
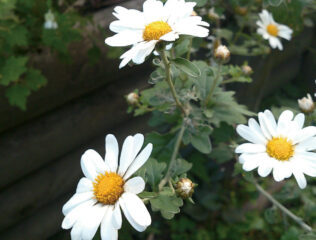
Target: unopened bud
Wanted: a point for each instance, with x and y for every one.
(222, 53)
(241, 11)
(247, 70)
(185, 188)
(193, 13)
(213, 15)
(132, 98)
(306, 104)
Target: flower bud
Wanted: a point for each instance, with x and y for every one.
(247, 70)
(222, 53)
(213, 15)
(241, 10)
(132, 98)
(185, 188)
(193, 13)
(306, 104)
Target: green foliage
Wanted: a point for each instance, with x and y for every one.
(22, 34)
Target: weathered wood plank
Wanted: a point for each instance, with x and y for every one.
(34, 144)
(23, 203)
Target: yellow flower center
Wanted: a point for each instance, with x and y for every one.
(155, 30)
(280, 148)
(272, 30)
(108, 187)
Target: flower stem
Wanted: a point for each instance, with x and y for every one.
(173, 158)
(189, 51)
(297, 219)
(207, 99)
(169, 81)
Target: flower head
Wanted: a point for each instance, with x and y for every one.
(157, 22)
(306, 104)
(106, 189)
(283, 147)
(271, 30)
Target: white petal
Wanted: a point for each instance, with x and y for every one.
(264, 169)
(128, 55)
(111, 152)
(92, 164)
(250, 148)
(153, 10)
(270, 122)
(117, 216)
(75, 214)
(307, 157)
(108, 232)
(256, 129)
(138, 143)
(84, 185)
(75, 200)
(278, 173)
(139, 161)
(92, 221)
(308, 144)
(251, 161)
(125, 38)
(300, 178)
(304, 134)
(135, 185)
(248, 134)
(144, 49)
(284, 122)
(304, 167)
(285, 32)
(299, 120)
(171, 36)
(263, 124)
(126, 155)
(135, 211)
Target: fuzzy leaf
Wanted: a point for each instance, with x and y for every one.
(186, 66)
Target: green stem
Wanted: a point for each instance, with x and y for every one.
(189, 51)
(169, 81)
(214, 84)
(297, 219)
(173, 158)
(230, 80)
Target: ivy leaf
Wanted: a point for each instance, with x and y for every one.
(17, 95)
(186, 66)
(13, 68)
(167, 203)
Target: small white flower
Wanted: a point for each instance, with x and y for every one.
(271, 30)
(306, 104)
(284, 146)
(106, 189)
(50, 22)
(157, 22)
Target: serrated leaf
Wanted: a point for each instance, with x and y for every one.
(17, 95)
(186, 66)
(13, 68)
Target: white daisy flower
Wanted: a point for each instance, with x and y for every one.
(271, 30)
(284, 146)
(106, 188)
(157, 22)
(50, 22)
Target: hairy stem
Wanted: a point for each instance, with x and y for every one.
(169, 81)
(173, 158)
(189, 51)
(297, 219)
(207, 99)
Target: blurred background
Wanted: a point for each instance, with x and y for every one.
(61, 91)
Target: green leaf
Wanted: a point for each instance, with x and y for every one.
(181, 166)
(167, 203)
(308, 236)
(152, 172)
(202, 142)
(17, 95)
(34, 79)
(148, 194)
(186, 66)
(13, 68)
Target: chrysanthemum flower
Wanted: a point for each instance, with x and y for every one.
(282, 146)
(271, 30)
(156, 23)
(106, 188)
